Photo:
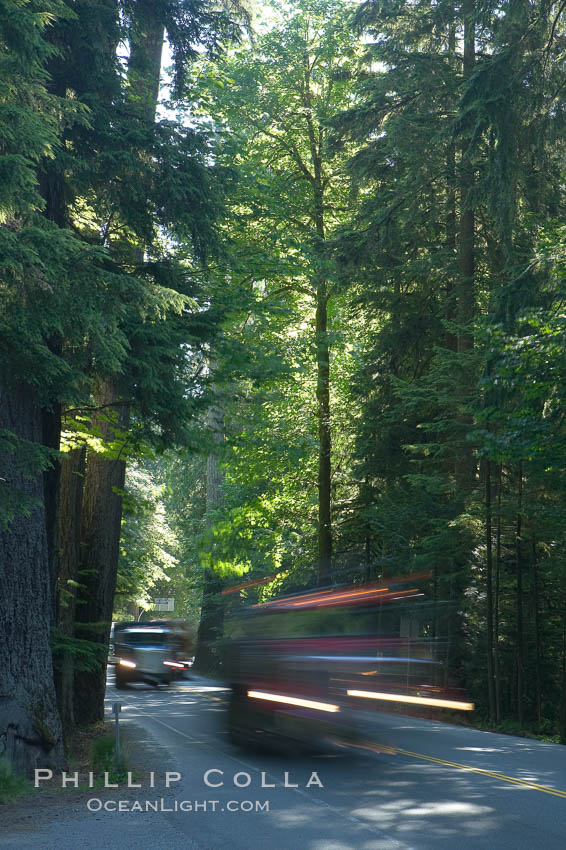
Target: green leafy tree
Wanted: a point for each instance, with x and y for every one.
(274, 103)
(147, 543)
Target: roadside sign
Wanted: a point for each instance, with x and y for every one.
(116, 709)
(164, 604)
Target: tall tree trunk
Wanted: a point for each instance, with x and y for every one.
(51, 181)
(100, 548)
(465, 289)
(466, 240)
(496, 601)
(563, 683)
(144, 64)
(105, 479)
(489, 595)
(538, 682)
(322, 346)
(69, 538)
(324, 439)
(212, 610)
(451, 210)
(51, 437)
(519, 563)
(30, 729)
(322, 389)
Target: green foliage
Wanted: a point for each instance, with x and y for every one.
(86, 655)
(102, 759)
(270, 105)
(147, 544)
(29, 115)
(459, 396)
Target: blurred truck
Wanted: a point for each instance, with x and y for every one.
(303, 668)
(154, 651)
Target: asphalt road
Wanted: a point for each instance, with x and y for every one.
(441, 787)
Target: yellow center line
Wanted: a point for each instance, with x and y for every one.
(501, 776)
(207, 696)
(556, 792)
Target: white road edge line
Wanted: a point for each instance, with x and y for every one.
(309, 797)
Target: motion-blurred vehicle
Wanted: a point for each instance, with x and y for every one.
(182, 643)
(304, 668)
(146, 652)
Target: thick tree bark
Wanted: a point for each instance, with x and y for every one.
(30, 730)
(51, 181)
(69, 538)
(52, 188)
(51, 437)
(100, 548)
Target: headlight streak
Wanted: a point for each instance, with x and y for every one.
(126, 663)
(301, 703)
(432, 701)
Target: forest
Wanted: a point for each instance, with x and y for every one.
(282, 305)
